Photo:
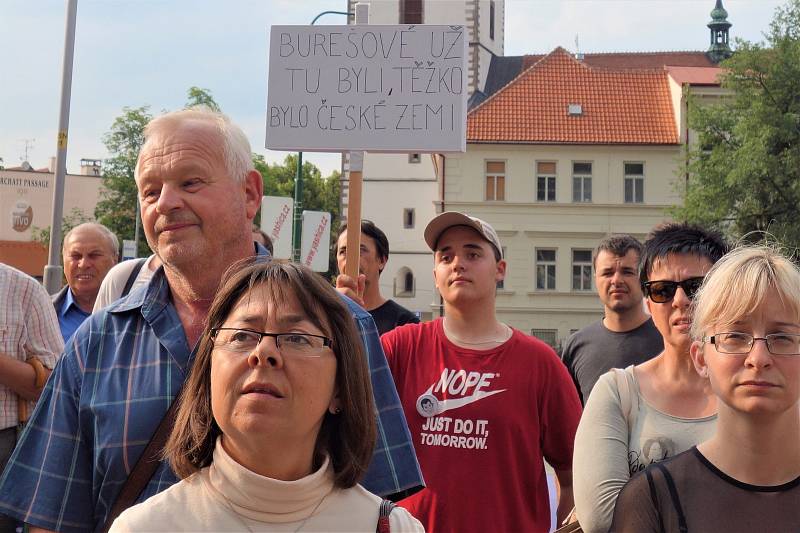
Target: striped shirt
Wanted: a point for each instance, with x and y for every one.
(28, 327)
(116, 380)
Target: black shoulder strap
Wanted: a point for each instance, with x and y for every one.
(654, 499)
(383, 517)
(145, 467)
(132, 277)
(673, 493)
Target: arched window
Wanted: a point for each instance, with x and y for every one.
(404, 283)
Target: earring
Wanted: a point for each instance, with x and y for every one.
(334, 410)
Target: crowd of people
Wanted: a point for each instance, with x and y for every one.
(209, 387)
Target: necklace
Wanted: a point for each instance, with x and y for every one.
(504, 336)
(302, 524)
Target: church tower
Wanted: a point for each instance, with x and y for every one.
(719, 27)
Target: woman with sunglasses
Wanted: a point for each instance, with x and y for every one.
(659, 408)
(746, 477)
(276, 422)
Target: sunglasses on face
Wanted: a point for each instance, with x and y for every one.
(663, 291)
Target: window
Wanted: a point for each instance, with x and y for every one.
(550, 336)
(581, 182)
(414, 158)
(410, 11)
(546, 269)
(496, 180)
(491, 19)
(634, 183)
(545, 181)
(581, 270)
(408, 218)
(502, 283)
(404, 283)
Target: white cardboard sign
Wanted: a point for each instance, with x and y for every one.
(277, 213)
(315, 240)
(368, 87)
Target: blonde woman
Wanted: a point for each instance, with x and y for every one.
(746, 477)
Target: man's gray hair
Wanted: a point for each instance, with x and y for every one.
(112, 240)
(235, 148)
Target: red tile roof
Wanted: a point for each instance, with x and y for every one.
(636, 60)
(695, 75)
(619, 106)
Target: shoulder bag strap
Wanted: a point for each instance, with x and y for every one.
(383, 517)
(145, 467)
(673, 494)
(625, 395)
(132, 276)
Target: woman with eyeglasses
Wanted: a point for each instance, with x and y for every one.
(276, 422)
(746, 476)
(648, 412)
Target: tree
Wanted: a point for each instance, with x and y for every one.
(75, 217)
(201, 97)
(319, 194)
(744, 176)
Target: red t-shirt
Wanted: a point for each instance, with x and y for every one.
(481, 421)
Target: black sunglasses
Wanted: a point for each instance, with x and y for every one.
(663, 291)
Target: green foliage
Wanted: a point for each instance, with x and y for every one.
(201, 97)
(74, 218)
(319, 194)
(744, 176)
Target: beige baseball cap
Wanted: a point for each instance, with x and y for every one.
(448, 219)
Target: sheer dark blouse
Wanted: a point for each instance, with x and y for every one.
(687, 493)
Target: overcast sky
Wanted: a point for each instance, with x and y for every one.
(148, 52)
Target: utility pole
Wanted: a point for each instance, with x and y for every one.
(53, 270)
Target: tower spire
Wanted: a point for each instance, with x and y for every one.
(719, 26)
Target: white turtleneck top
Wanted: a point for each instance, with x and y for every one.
(228, 497)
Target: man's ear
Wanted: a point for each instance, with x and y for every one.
(253, 190)
(500, 275)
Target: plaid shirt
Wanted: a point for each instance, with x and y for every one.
(28, 327)
(107, 395)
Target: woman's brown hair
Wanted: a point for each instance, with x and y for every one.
(348, 437)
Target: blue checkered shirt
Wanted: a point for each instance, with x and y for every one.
(117, 378)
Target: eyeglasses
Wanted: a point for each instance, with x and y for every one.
(244, 341)
(663, 291)
(742, 343)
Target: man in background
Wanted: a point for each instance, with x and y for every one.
(30, 343)
(373, 257)
(89, 252)
(625, 335)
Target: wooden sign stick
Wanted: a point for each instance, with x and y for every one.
(353, 241)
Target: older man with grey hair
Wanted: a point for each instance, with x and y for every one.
(86, 456)
(89, 252)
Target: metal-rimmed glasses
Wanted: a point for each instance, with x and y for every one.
(663, 291)
(244, 341)
(742, 343)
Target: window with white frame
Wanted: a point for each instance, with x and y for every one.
(408, 218)
(634, 183)
(414, 158)
(496, 180)
(581, 182)
(550, 336)
(545, 269)
(581, 270)
(545, 181)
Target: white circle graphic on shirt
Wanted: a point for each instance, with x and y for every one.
(427, 405)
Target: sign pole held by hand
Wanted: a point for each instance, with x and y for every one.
(353, 242)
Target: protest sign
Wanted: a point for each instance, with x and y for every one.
(277, 213)
(315, 241)
(374, 88)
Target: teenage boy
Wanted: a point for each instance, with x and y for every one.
(485, 403)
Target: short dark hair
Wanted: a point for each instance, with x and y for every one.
(369, 229)
(618, 244)
(348, 438)
(680, 238)
(265, 240)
